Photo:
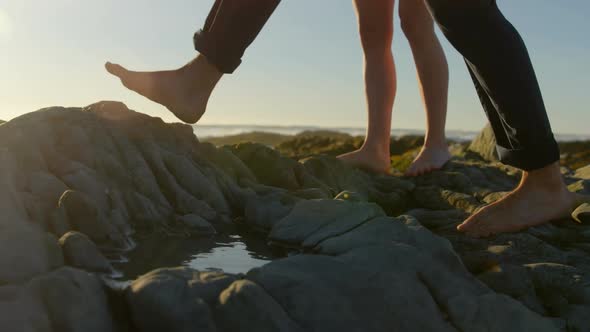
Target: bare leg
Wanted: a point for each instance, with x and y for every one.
(184, 91)
(433, 76)
(376, 32)
(542, 196)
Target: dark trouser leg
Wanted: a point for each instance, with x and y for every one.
(232, 25)
(504, 77)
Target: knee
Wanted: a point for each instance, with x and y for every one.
(416, 26)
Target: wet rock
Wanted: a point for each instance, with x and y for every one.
(63, 300)
(515, 282)
(359, 299)
(26, 252)
(80, 252)
(264, 211)
(175, 300)
(75, 301)
(196, 224)
(251, 309)
(386, 230)
(566, 281)
(13, 209)
(21, 310)
(109, 173)
(85, 217)
(313, 221)
(383, 293)
(484, 144)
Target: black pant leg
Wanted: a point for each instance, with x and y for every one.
(505, 79)
(232, 25)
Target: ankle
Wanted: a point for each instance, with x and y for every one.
(377, 150)
(437, 143)
(200, 66)
(548, 178)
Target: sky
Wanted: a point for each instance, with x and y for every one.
(305, 68)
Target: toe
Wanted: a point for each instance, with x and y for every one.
(469, 225)
(115, 69)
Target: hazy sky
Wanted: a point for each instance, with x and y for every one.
(304, 69)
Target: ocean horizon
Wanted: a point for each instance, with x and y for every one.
(208, 131)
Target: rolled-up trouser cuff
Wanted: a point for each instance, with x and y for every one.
(216, 54)
(540, 155)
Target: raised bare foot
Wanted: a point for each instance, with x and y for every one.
(185, 91)
(541, 197)
(368, 160)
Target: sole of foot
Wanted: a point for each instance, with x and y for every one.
(428, 160)
(185, 92)
(521, 209)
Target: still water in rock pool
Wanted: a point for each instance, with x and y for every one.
(227, 253)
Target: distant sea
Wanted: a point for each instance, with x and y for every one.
(203, 131)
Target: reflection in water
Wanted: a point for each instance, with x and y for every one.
(232, 254)
(233, 257)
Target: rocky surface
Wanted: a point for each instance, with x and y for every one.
(367, 252)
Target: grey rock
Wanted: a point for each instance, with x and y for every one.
(80, 252)
(21, 310)
(26, 252)
(245, 306)
(75, 301)
(577, 318)
(383, 293)
(312, 221)
(358, 299)
(264, 211)
(437, 219)
(196, 224)
(175, 300)
(85, 217)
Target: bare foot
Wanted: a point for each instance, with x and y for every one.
(368, 160)
(541, 197)
(429, 159)
(185, 91)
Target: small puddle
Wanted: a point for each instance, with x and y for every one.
(228, 253)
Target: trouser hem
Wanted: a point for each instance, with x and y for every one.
(541, 155)
(215, 53)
